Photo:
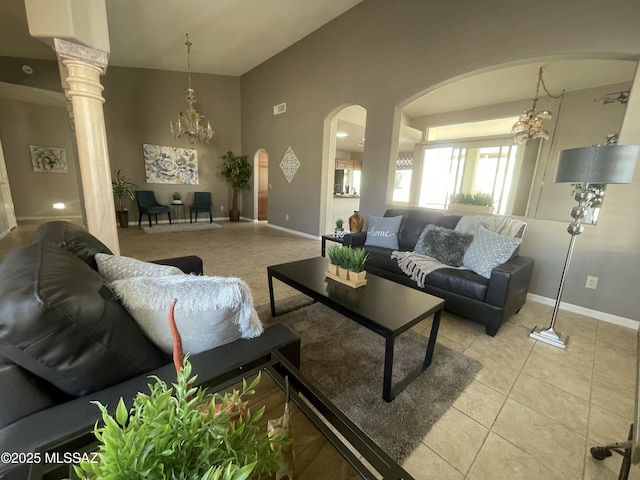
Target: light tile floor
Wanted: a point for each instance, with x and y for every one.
(533, 411)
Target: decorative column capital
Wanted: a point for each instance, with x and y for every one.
(73, 51)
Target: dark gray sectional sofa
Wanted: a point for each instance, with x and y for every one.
(489, 301)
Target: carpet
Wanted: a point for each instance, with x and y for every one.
(180, 227)
(345, 361)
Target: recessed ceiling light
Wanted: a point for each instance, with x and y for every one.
(342, 134)
(58, 206)
(27, 69)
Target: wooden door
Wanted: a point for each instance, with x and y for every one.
(263, 184)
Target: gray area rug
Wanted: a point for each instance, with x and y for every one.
(180, 227)
(345, 362)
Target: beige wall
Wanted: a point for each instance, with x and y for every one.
(23, 124)
(383, 54)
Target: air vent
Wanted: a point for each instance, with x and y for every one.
(280, 108)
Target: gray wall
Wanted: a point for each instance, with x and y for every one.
(23, 124)
(383, 54)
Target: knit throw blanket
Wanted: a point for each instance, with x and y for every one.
(418, 266)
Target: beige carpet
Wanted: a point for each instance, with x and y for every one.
(180, 227)
(345, 362)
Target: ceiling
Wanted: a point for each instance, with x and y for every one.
(229, 37)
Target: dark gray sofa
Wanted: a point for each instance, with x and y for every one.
(66, 341)
(487, 301)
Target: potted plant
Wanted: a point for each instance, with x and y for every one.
(347, 264)
(123, 190)
(177, 198)
(180, 431)
(357, 272)
(237, 171)
(472, 202)
(339, 227)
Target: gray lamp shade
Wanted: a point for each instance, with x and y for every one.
(598, 164)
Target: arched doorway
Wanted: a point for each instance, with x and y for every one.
(261, 180)
(346, 155)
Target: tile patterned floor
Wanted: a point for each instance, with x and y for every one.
(532, 412)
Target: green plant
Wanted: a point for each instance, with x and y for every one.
(475, 198)
(334, 252)
(339, 223)
(347, 257)
(358, 258)
(237, 171)
(183, 433)
(177, 196)
(123, 189)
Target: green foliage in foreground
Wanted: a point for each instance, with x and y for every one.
(346, 257)
(476, 198)
(174, 434)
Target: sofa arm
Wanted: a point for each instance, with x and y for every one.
(354, 239)
(188, 264)
(509, 280)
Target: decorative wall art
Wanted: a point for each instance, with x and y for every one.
(48, 159)
(170, 164)
(289, 164)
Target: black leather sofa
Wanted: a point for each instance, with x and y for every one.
(66, 341)
(487, 301)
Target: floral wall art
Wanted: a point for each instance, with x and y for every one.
(48, 159)
(170, 164)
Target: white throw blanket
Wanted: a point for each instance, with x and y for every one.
(418, 266)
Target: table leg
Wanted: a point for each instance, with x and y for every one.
(432, 338)
(388, 369)
(324, 245)
(271, 299)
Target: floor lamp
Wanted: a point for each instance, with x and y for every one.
(585, 165)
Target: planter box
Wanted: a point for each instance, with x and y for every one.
(470, 208)
(353, 280)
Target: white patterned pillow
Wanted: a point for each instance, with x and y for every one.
(115, 267)
(488, 250)
(210, 311)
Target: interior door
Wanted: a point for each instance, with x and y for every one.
(263, 184)
(6, 200)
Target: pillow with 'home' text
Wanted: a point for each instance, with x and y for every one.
(383, 231)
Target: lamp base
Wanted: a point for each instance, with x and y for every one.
(550, 336)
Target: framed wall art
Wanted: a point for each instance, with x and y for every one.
(170, 164)
(48, 159)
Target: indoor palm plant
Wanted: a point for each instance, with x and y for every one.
(237, 171)
(124, 192)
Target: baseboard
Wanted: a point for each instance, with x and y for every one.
(605, 317)
(294, 232)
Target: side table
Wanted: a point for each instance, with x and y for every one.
(175, 208)
(331, 237)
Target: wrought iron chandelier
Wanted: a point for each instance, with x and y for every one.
(190, 124)
(530, 125)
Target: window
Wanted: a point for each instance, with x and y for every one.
(402, 181)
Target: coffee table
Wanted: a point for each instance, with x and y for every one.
(384, 307)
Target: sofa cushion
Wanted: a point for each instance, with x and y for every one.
(74, 238)
(383, 231)
(116, 267)
(443, 244)
(488, 250)
(210, 311)
(413, 222)
(60, 322)
(464, 282)
(380, 257)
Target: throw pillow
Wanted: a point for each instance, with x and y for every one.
(115, 267)
(443, 244)
(210, 311)
(383, 231)
(488, 250)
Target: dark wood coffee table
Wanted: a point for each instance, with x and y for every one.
(384, 307)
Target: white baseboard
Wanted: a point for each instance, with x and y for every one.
(295, 232)
(605, 317)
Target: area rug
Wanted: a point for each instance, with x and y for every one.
(180, 227)
(345, 361)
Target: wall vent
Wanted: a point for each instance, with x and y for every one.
(280, 108)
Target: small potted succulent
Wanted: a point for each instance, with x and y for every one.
(177, 198)
(339, 230)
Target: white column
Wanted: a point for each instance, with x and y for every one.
(82, 85)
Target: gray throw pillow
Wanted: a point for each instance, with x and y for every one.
(488, 250)
(383, 231)
(443, 244)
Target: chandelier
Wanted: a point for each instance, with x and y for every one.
(530, 125)
(190, 124)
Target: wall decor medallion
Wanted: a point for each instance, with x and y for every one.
(48, 159)
(170, 164)
(289, 164)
